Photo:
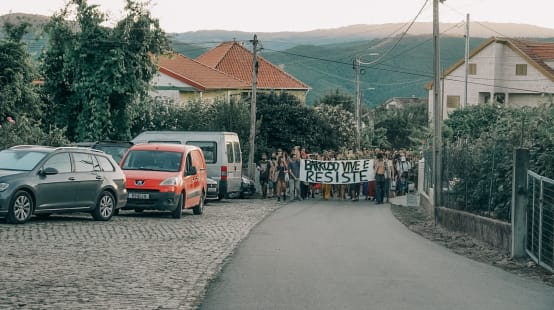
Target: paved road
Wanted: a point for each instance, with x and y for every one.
(355, 255)
(134, 261)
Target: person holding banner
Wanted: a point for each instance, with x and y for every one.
(326, 188)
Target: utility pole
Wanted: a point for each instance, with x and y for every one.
(437, 111)
(466, 61)
(252, 140)
(356, 67)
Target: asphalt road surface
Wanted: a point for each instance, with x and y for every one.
(320, 254)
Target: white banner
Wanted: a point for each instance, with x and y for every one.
(336, 171)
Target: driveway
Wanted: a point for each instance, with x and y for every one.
(355, 255)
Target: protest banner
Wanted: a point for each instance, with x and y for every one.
(336, 171)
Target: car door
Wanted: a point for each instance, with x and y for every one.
(191, 183)
(56, 191)
(88, 179)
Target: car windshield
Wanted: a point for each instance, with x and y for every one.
(153, 160)
(20, 160)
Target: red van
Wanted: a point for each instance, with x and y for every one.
(165, 176)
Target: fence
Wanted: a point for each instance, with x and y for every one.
(540, 220)
(474, 180)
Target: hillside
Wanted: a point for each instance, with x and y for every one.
(402, 72)
(323, 58)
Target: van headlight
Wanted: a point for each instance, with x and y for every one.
(170, 182)
(169, 185)
(4, 186)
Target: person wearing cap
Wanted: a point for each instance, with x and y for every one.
(402, 168)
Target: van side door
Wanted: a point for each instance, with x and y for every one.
(233, 184)
(238, 162)
(191, 181)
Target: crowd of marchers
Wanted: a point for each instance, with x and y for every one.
(395, 174)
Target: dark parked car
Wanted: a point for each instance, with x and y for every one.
(43, 180)
(115, 148)
(247, 187)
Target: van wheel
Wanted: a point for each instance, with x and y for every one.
(20, 209)
(104, 207)
(178, 212)
(199, 209)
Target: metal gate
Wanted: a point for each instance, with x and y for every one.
(540, 220)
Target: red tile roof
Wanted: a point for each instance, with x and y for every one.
(537, 52)
(198, 75)
(235, 60)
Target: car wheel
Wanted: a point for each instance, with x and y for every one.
(199, 209)
(178, 212)
(21, 208)
(104, 207)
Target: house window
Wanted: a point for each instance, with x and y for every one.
(521, 69)
(500, 98)
(452, 102)
(484, 97)
(472, 69)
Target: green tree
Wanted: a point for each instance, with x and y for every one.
(404, 128)
(94, 75)
(338, 98)
(18, 96)
(20, 105)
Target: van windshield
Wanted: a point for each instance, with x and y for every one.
(153, 160)
(209, 148)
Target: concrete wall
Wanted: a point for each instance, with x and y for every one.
(426, 203)
(493, 232)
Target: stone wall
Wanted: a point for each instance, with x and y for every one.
(493, 232)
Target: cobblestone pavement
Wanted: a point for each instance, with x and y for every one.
(134, 261)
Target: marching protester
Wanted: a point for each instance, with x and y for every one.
(273, 175)
(294, 176)
(304, 186)
(380, 168)
(402, 168)
(263, 167)
(282, 175)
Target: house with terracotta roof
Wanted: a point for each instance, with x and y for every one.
(224, 72)
(505, 71)
(235, 60)
(183, 79)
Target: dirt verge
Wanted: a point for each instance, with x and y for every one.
(419, 222)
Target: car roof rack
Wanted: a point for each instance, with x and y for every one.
(28, 146)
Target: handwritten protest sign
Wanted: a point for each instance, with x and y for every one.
(337, 171)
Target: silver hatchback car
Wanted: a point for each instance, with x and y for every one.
(43, 180)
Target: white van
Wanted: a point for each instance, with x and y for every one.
(221, 150)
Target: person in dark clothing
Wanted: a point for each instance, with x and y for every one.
(263, 167)
(379, 167)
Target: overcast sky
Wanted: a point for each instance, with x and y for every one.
(302, 15)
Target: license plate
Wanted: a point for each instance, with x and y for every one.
(212, 189)
(139, 196)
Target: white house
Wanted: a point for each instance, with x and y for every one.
(502, 70)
